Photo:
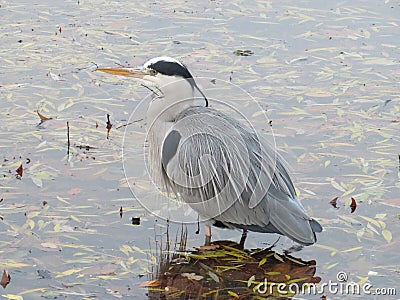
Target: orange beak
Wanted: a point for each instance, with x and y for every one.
(128, 72)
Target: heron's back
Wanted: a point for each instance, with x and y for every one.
(229, 174)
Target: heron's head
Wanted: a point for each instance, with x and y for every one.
(168, 78)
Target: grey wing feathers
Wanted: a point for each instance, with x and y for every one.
(227, 173)
(170, 146)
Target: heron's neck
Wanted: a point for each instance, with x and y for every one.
(175, 98)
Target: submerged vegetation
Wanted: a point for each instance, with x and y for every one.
(224, 271)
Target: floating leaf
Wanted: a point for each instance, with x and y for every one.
(13, 297)
(55, 77)
(5, 279)
(75, 191)
(126, 249)
(352, 249)
(337, 186)
(42, 118)
(353, 205)
(372, 221)
(49, 245)
(387, 235)
(37, 181)
(334, 201)
(20, 171)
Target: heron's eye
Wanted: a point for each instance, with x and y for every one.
(152, 72)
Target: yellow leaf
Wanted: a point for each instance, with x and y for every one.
(31, 223)
(33, 214)
(233, 294)
(69, 272)
(383, 224)
(33, 290)
(263, 261)
(348, 192)
(57, 227)
(13, 297)
(387, 235)
(126, 249)
(331, 266)
(337, 186)
(138, 249)
(352, 249)
(62, 200)
(75, 218)
(333, 250)
(372, 221)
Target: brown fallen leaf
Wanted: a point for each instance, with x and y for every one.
(192, 276)
(151, 283)
(334, 201)
(75, 191)
(209, 247)
(353, 205)
(43, 118)
(5, 279)
(20, 171)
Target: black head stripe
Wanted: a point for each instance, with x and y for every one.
(170, 68)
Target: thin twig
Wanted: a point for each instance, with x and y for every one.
(68, 143)
(130, 123)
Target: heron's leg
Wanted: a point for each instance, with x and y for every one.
(243, 239)
(208, 235)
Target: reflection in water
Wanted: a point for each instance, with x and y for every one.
(224, 271)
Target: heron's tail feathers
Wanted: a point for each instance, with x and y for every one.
(290, 219)
(315, 226)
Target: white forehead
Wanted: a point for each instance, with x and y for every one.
(161, 58)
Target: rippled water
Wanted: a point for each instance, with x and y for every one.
(327, 75)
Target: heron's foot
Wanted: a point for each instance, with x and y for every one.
(243, 239)
(293, 249)
(208, 235)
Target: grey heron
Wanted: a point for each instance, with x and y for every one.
(218, 165)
